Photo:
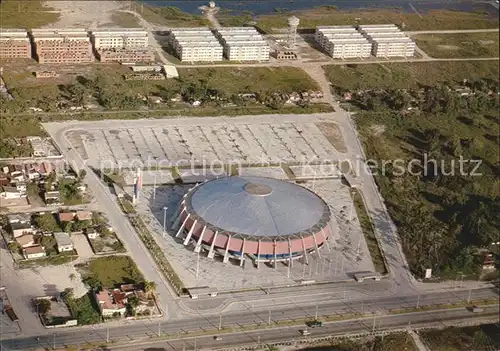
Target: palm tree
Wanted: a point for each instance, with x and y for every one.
(149, 287)
(72, 277)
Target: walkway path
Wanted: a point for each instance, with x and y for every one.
(419, 343)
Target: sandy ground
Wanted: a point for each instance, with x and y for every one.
(85, 14)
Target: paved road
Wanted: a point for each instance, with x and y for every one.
(141, 331)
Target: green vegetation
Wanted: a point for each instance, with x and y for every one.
(70, 194)
(330, 15)
(26, 14)
(443, 220)
(391, 342)
(84, 309)
(226, 19)
(407, 75)
(47, 222)
(483, 337)
(111, 271)
(459, 45)
(369, 233)
(11, 148)
(171, 16)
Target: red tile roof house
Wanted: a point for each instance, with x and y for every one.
(111, 302)
(34, 252)
(66, 216)
(84, 215)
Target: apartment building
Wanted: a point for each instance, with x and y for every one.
(343, 42)
(62, 45)
(388, 40)
(243, 44)
(195, 44)
(125, 55)
(14, 43)
(118, 38)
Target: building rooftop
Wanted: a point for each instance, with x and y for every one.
(34, 249)
(63, 239)
(19, 218)
(25, 239)
(257, 206)
(84, 215)
(66, 216)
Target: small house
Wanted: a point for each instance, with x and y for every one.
(34, 252)
(66, 217)
(20, 229)
(110, 302)
(91, 233)
(64, 242)
(9, 192)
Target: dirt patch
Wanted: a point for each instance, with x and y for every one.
(333, 134)
(84, 14)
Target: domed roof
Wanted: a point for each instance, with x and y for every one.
(258, 206)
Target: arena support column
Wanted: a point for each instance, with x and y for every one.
(305, 250)
(178, 218)
(226, 254)
(212, 246)
(275, 258)
(177, 214)
(258, 253)
(190, 233)
(183, 225)
(325, 239)
(242, 257)
(316, 246)
(200, 240)
(290, 252)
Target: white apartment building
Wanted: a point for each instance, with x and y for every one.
(343, 42)
(14, 43)
(116, 38)
(195, 44)
(388, 40)
(243, 44)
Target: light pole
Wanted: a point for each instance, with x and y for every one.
(373, 328)
(154, 189)
(316, 313)
(197, 264)
(159, 328)
(352, 206)
(418, 300)
(164, 219)
(54, 342)
(470, 295)
(107, 335)
(269, 318)
(220, 321)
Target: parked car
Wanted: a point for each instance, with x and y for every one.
(315, 324)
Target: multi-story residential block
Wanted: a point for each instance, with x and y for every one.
(62, 45)
(195, 44)
(125, 55)
(388, 40)
(343, 42)
(118, 38)
(14, 43)
(243, 44)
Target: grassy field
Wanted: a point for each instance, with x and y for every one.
(114, 270)
(170, 16)
(459, 45)
(408, 75)
(25, 14)
(330, 15)
(483, 337)
(124, 19)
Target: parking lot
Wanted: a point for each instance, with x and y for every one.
(239, 140)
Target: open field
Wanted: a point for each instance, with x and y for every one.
(170, 16)
(26, 14)
(112, 271)
(124, 19)
(407, 75)
(459, 45)
(483, 337)
(330, 15)
(391, 342)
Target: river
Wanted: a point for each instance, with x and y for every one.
(259, 7)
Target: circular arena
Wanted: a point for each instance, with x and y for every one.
(263, 219)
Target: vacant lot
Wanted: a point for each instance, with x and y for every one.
(459, 45)
(483, 337)
(408, 75)
(170, 16)
(26, 14)
(330, 15)
(391, 342)
(112, 271)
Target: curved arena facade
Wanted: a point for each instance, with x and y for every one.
(263, 219)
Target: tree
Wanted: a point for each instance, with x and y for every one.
(132, 303)
(47, 222)
(81, 175)
(43, 306)
(72, 277)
